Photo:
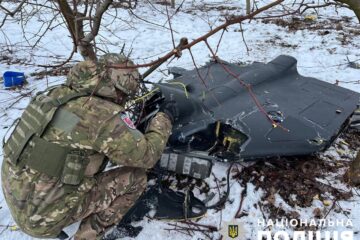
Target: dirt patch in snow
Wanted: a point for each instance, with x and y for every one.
(300, 181)
(324, 27)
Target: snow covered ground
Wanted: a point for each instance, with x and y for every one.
(321, 53)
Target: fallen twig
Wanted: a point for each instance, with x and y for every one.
(243, 194)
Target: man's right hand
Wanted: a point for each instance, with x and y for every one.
(170, 109)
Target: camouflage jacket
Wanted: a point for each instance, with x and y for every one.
(35, 198)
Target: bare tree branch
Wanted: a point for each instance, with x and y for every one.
(218, 45)
(228, 22)
(62, 63)
(243, 38)
(147, 21)
(316, 6)
(97, 21)
(10, 13)
(171, 30)
(75, 22)
(68, 15)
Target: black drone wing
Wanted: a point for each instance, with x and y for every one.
(218, 109)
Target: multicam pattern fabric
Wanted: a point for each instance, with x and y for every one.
(113, 195)
(42, 205)
(125, 79)
(101, 80)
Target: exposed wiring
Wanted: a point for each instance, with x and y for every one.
(183, 85)
(225, 197)
(145, 96)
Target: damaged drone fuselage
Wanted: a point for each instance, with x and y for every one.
(218, 115)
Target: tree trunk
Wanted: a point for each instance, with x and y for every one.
(354, 170)
(75, 28)
(248, 7)
(354, 5)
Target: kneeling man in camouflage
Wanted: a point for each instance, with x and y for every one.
(54, 160)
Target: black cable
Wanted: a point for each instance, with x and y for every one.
(148, 82)
(224, 198)
(160, 173)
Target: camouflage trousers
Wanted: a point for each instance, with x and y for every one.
(113, 195)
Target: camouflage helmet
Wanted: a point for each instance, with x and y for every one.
(101, 80)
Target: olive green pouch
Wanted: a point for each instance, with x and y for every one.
(46, 157)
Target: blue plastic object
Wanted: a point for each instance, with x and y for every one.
(12, 79)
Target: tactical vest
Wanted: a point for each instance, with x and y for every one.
(41, 155)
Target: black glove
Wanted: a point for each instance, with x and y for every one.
(170, 109)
